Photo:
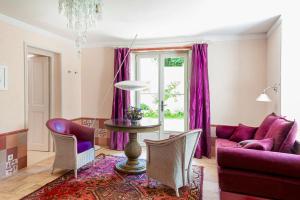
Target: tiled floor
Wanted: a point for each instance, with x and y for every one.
(36, 175)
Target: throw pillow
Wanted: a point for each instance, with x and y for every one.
(225, 131)
(264, 144)
(289, 141)
(243, 132)
(279, 132)
(265, 126)
(244, 142)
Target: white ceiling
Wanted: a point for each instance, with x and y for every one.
(154, 19)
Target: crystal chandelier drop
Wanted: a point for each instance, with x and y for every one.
(81, 15)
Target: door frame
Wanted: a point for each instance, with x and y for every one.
(44, 52)
(160, 54)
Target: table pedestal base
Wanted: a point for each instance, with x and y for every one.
(125, 167)
(132, 150)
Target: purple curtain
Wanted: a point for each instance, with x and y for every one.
(199, 99)
(121, 98)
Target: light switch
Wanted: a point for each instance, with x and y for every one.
(10, 157)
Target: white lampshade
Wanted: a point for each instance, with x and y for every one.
(263, 97)
(131, 85)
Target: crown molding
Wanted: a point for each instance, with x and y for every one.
(31, 28)
(160, 42)
(178, 41)
(274, 27)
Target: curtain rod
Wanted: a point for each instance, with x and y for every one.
(168, 48)
(177, 48)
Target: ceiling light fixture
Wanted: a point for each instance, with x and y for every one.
(81, 15)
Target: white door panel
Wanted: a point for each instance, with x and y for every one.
(38, 103)
(148, 71)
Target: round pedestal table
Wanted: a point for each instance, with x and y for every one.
(133, 150)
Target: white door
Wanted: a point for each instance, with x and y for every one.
(38, 103)
(148, 100)
(174, 90)
(165, 101)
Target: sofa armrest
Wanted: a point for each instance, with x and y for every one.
(259, 161)
(225, 131)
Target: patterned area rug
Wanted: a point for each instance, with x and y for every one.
(102, 182)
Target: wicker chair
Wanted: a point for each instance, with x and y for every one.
(169, 161)
(74, 144)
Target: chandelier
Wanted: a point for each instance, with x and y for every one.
(81, 15)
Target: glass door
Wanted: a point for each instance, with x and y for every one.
(165, 100)
(173, 90)
(147, 69)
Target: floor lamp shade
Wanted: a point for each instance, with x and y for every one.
(131, 85)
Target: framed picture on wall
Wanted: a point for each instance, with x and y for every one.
(3, 77)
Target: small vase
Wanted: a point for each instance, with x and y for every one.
(135, 121)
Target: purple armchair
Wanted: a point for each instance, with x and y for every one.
(74, 144)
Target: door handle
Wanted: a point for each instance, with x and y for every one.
(162, 106)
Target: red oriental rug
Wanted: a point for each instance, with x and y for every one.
(102, 182)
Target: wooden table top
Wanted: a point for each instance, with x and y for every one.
(128, 126)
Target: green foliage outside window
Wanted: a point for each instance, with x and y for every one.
(169, 93)
(174, 62)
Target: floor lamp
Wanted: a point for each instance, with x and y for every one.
(264, 97)
(129, 85)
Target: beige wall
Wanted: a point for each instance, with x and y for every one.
(97, 77)
(290, 70)
(237, 71)
(12, 38)
(274, 67)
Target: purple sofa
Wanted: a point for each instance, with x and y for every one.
(255, 173)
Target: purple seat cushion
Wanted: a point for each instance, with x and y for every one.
(83, 146)
(279, 131)
(225, 143)
(243, 132)
(265, 126)
(265, 144)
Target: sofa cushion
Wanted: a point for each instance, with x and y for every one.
(265, 126)
(83, 146)
(225, 131)
(264, 144)
(243, 132)
(288, 143)
(225, 143)
(279, 131)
